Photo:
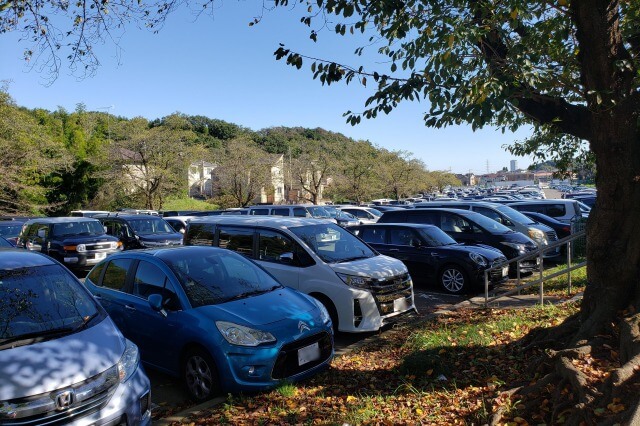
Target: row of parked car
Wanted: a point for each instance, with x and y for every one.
(250, 301)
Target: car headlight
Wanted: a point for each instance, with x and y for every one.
(324, 314)
(356, 281)
(518, 246)
(480, 260)
(538, 236)
(243, 336)
(129, 361)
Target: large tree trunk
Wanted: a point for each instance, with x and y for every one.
(613, 230)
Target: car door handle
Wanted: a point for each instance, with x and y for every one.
(435, 254)
(97, 297)
(129, 307)
(394, 249)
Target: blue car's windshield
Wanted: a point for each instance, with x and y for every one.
(219, 276)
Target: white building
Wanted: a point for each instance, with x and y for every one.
(199, 179)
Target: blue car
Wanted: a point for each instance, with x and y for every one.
(214, 318)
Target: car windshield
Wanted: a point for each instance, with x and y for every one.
(374, 212)
(319, 212)
(212, 277)
(67, 229)
(12, 230)
(151, 225)
(435, 237)
(515, 215)
(41, 302)
(332, 243)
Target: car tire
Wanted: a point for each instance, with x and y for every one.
(200, 375)
(453, 279)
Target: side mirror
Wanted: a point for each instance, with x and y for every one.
(415, 242)
(155, 301)
(286, 257)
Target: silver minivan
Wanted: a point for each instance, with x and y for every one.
(62, 359)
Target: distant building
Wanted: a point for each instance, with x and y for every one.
(200, 179)
(513, 166)
(468, 179)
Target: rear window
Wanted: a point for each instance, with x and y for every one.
(200, 234)
(237, 239)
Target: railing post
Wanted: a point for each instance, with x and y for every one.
(569, 265)
(541, 267)
(486, 288)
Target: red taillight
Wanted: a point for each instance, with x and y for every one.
(566, 229)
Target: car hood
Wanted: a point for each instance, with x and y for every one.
(58, 363)
(162, 239)
(378, 267)
(268, 308)
(489, 253)
(92, 239)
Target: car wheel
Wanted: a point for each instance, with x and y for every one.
(453, 279)
(200, 375)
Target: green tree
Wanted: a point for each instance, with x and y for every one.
(30, 155)
(355, 178)
(147, 165)
(399, 172)
(244, 171)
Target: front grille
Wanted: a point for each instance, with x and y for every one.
(496, 274)
(80, 400)
(385, 292)
(286, 364)
(100, 246)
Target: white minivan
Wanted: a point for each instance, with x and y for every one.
(362, 289)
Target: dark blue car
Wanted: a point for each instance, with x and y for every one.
(214, 318)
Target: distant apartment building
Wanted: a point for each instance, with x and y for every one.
(513, 166)
(200, 179)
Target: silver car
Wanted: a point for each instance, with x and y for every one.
(62, 359)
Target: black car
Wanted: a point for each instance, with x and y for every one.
(434, 257)
(76, 242)
(563, 229)
(10, 229)
(469, 227)
(137, 231)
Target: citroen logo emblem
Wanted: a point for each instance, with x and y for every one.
(63, 400)
(302, 326)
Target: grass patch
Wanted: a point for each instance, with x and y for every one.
(188, 204)
(451, 370)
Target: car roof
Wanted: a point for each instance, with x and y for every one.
(65, 219)
(20, 258)
(127, 216)
(163, 252)
(547, 201)
(274, 221)
(394, 225)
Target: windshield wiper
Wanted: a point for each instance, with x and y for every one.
(86, 320)
(35, 336)
(351, 259)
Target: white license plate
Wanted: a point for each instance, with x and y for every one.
(308, 354)
(400, 305)
(505, 271)
(100, 256)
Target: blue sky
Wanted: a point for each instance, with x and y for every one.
(220, 67)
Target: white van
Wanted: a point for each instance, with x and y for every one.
(564, 210)
(362, 289)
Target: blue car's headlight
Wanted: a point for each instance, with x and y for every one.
(129, 361)
(243, 336)
(324, 314)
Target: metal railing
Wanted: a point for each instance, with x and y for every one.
(571, 242)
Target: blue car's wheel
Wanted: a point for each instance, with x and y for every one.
(200, 375)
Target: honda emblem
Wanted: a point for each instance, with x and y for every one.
(64, 400)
